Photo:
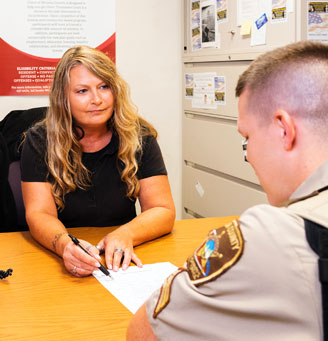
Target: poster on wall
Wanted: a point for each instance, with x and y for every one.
(279, 11)
(205, 89)
(195, 25)
(221, 11)
(220, 90)
(189, 85)
(34, 34)
(317, 27)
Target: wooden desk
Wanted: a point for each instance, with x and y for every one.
(42, 301)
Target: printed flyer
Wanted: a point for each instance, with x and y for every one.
(220, 89)
(195, 25)
(189, 85)
(279, 11)
(203, 93)
(221, 11)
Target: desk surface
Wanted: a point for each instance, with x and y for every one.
(42, 301)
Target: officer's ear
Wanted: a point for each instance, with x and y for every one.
(286, 128)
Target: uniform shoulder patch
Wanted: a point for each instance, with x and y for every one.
(220, 251)
(164, 295)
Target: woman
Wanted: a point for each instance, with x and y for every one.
(88, 162)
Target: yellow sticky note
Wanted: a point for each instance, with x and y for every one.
(246, 27)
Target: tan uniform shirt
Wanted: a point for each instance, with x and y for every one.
(271, 293)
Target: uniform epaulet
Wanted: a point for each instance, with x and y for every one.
(313, 207)
(219, 252)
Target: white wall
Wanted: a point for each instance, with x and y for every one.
(148, 55)
(149, 51)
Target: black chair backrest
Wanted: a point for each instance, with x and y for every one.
(12, 127)
(14, 179)
(8, 218)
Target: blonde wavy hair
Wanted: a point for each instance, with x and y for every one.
(64, 151)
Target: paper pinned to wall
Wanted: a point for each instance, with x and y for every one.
(251, 9)
(189, 85)
(246, 27)
(279, 11)
(317, 23)
(220, 90)
(259, 31)
(221, 11)
(204, 91)
(133, 286)
(195, 25)
(246, 10)
(209, 27)
(290, 6)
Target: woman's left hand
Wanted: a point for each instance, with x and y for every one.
(118, 246)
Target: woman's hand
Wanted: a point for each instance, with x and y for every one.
(118, 247)
(79, 263)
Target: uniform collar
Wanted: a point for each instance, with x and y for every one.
(314, 183)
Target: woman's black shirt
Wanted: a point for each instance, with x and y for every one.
(105, 202)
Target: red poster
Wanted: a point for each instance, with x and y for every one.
(28, 60)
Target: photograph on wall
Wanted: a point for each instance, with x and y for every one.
(34, 38)
(196, 43)
(208, 23)
(317, 25)
(220, 90)
(279, 11)
(221, 11)
(189, 85)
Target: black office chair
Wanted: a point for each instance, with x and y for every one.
(12, 211)
(14, 179)
(8, 218)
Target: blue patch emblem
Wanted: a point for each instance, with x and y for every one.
(261, 21)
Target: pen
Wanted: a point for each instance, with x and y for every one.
(101, 268)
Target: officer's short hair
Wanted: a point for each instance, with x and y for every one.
(293, 77)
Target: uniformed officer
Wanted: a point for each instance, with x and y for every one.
(257, 278)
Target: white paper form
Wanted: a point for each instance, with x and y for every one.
(290, 6)
(251, 9)
(133, 286)
(258, 35)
